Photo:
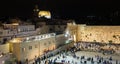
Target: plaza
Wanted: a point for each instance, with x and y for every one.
(69, 59)
(73, 56)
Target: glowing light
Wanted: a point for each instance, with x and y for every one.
(3, 62)
(67, 33)
(74, 23)
(67, 41)
(15, 40)
(15, 23)
(1, 55)
(74, 38)
(27, 38)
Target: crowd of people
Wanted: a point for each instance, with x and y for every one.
(71, 57)
(47, 58)
(98, 47)
(62, 56)
(59, 56)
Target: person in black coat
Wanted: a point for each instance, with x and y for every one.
(38, 59)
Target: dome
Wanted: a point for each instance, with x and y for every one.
(45, 14)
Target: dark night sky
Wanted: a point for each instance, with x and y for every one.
(62, 8)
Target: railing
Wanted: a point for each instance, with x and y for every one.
(39, 37)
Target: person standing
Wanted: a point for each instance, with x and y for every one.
(38, 59)
(35, 60)
(26, 61)
(116, 61)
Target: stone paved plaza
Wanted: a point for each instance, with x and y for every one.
(86, 54)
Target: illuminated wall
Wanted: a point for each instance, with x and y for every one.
(72, 30)
(103, 34)
(4, 48)
(36, 45)
(16, 50)
(28, 50)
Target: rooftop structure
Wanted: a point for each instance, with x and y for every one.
(9, 31)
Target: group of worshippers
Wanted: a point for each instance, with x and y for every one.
(72, 50)
(45, 58)
(98, 47)
(82, 60)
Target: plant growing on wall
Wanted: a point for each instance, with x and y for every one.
(94, 40)
(102, 40)
(90, 34)
(110, 42)
(114, 36)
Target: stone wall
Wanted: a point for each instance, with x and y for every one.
(60, 40)
(103, 34)
(4, 48)
(31, 49)
(28, 50)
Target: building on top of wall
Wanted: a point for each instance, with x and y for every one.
(9, 31)
(89, 33)
(52, 25)
(34, 46)
(29, 47)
